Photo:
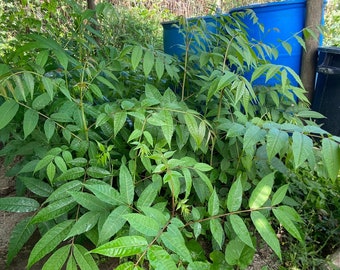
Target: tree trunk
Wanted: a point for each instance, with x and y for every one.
(91, 4)
(309, 57)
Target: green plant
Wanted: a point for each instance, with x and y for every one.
(119, 164)
(332, 23)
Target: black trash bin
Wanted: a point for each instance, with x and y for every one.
(326, 98)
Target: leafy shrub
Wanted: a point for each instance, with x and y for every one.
(332, 23)
(163, 163)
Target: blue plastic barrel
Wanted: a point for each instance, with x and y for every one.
(281, 20)
(174, 35)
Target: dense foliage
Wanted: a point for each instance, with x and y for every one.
(332, 23)
(161, 162)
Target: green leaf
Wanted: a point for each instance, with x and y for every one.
(203, 167)
(237, 253)
(105, 192)
(331, 156)
(62, 191)
(276, 140)
(97, 172)
(279, 195)
(19, 236)
(172, 178)
(293, 215)
(48, 85)
(119, 120)
(262, 191)
(285, 220)
(174, 241)
(136, 56)
(160, 259)
(233, 251)
(252, 136)
(152, 92)
(20, 92)
(217, 231)
(18, 204)
(143, 224)
(213, 204)
(272, 71)
(287, 47)
(199, 265)
(59, 161)
(126, 185)
(89, 201)
(241, 230)
(188, 181)
(159, 67)
(301, 41)
(61, 117)
(83, 258)
(149, 194)
(266, 231)
(128, 266)
(49, 241)
(135, 134)
(71, 174)
(41, 102)
(96, 91)
(168, 127)
(159, 216)
(57, 259)
(206, 180)
(71, 264)
(54, 210)
(302, 148)
(310, 114)
(234, 199)
(49, 129)
(42, 57)
(7, 111)
(37, 186)
(113, 223)
(44, 162)
(122, 247)
(85, 223)
(148, 62)
(192, 126)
